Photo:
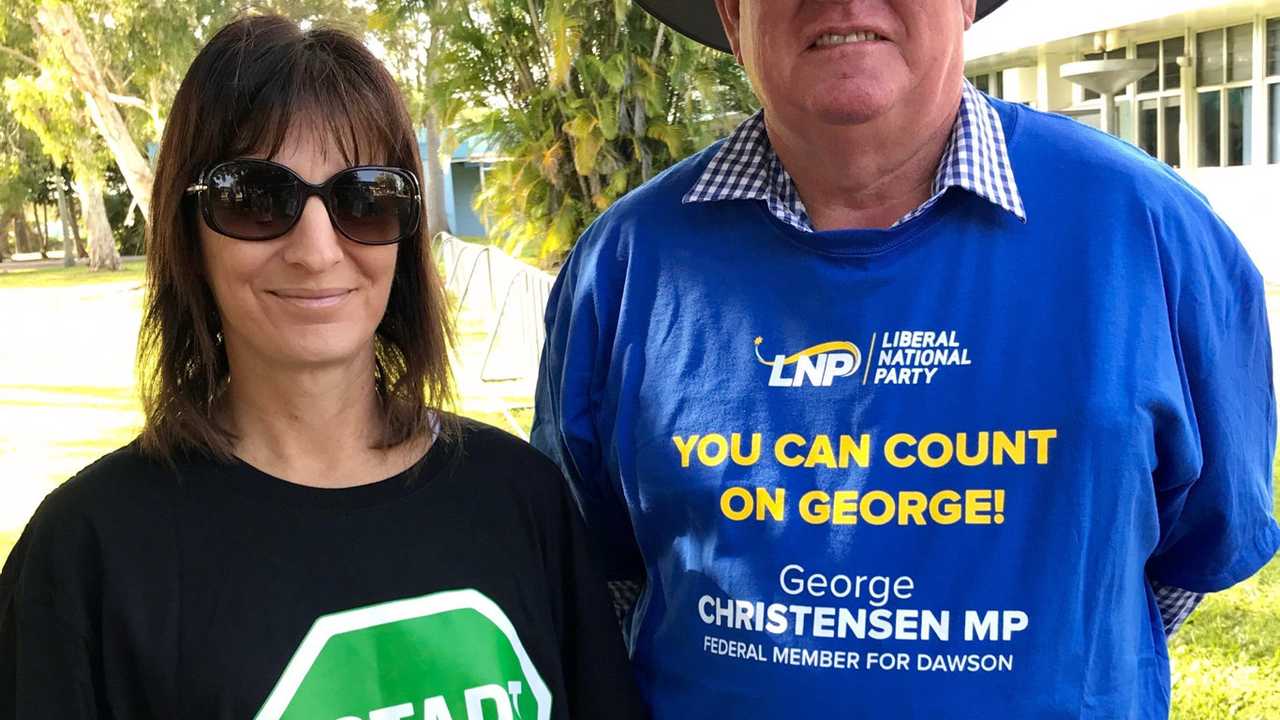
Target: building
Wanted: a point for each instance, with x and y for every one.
(464, 172)
(1195, 83)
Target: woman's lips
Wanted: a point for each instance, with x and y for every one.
(323, 298)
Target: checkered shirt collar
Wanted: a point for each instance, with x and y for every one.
(976, 159)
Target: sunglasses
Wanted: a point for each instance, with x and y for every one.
(262, 200)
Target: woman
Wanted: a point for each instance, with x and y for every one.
(299, 531)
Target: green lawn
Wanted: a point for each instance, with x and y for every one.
(67, 397)
(1226, 659)
(14, 275)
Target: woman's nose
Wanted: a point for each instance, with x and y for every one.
(314, 242)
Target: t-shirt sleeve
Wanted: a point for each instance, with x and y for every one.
(597, 672)
(46, 667)
(1214, 474)
(569, 424)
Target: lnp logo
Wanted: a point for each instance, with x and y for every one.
(818, 365)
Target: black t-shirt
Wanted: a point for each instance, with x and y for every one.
(459, 589)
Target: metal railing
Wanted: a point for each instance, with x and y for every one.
(513, 296)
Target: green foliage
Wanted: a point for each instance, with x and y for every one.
(142, 48)
(587, 100)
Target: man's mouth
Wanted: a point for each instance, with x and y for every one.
(832, 40)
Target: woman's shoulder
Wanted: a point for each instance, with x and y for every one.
(493, 455)
(126, 478)
(485, 444)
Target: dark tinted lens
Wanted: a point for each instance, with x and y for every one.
(252, 201)
(374, 206)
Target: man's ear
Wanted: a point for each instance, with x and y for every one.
(970, 9)
(730, 15)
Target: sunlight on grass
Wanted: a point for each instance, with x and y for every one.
(13, 275)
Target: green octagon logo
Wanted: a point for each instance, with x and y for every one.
(446, 656)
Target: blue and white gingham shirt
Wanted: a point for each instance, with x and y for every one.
(976, 159)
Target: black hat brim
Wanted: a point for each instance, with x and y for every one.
(698, 19)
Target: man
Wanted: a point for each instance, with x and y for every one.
(907, 402)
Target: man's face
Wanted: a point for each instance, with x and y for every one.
(847, 61)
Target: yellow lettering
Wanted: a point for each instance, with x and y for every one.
(727, 505)
(844, 509)
(886, 512)
(911, 507)
(820, 453)
(962, 449)
(780, 450)
(685, 447)
(814, 507)
(858, 450)
(944, 507)
(772, 503)
(943, 455)
(891, 453)
(709, 456)
(977, 507)
(1015, 449)
(1042, 438)
(752, 457)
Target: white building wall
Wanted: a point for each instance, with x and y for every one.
(1027, 41)
(1248, 199)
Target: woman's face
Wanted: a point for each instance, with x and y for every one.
(308, 299)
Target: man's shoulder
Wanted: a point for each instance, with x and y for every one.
(664, 193)
(1057, 153)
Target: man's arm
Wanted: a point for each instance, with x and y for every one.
(569, 425)
(1215, 445)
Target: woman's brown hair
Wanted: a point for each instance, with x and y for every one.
(258, 79)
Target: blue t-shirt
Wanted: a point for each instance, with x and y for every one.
(921, 472)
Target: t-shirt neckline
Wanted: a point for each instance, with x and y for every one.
(246, 479)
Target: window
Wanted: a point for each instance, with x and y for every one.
(1171, 50)
(1159, 101)
(1172, 131)
(1224, 69)
(1210, 129)
(990, 83)
(1273, 88)
(1124, 119)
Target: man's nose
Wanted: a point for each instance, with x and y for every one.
(314, 243)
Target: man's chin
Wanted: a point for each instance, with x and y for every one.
(851, 103)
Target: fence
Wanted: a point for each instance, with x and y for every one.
(507, 298)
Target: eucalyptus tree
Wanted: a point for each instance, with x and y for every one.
(410, 35)
(125, 58)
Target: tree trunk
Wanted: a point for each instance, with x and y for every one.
(64, 218)
(102, 246)
(21, 233)
(44, 224)
(5, 223)
(42, 242)
(81, 251)
(433, 184)
(59, 23)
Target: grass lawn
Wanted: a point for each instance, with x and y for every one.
(67, 397)
(1226, 659)
(14, 275)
